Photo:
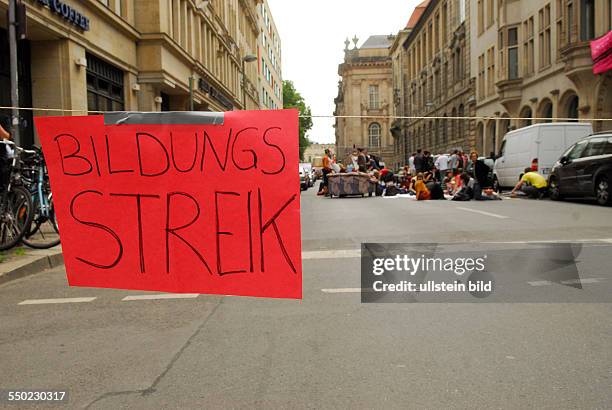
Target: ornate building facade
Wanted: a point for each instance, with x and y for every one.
(366, 90)
(438, 80)
(532, 63)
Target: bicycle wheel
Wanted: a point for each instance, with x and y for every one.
(43, 232)
(15, 217)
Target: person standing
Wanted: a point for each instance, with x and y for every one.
(327, 168)
(441, 166)
(411, 167)
(453, 161)
(418, 161)
(428, 162)
(362, 161)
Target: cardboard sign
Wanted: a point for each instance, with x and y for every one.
(176, 202)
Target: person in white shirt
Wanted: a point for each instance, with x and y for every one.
(441, 165)
(411, 165)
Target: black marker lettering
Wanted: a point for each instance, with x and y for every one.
(174, 230)
(108, 159)
(219, 233)
(98, 226)
(93, 147)
(161, 145)
(195, 154)
(282, 167)
(227, 145)
(272, 222)
(72, 155)
(139, 212)
(253, 154)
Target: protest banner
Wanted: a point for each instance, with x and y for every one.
(178, 202)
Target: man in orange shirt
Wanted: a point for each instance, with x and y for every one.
(326, 170)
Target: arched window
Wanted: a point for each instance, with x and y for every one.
(572, 107)
(546, 111)
(374, 135)
(526, 116)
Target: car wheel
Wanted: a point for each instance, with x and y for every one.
(554, 190)
(602, 191)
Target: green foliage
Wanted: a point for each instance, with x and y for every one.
(19, 251)
(293, 99)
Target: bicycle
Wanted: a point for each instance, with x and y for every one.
(43, 232)
(15, 202)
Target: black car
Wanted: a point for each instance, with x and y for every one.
(584, 170)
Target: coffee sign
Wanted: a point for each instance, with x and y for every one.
(67, 13)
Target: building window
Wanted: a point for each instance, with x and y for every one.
(490, 13)
(374, 135)
(526, 117)
(572, 109)
(480, 21)
(559, 25)
(587, 20)
(544, 36)
(104, 86)
(513, 72)
(528, 50)
(491, 71)
(570, 22)
(373, 94)
(481, 77)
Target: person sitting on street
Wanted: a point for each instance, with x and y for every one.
(420, 189)
(532, 184)
(465, 193)
(480, 172)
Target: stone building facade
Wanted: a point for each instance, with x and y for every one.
(139, 55)
(366, 90)
(438, 80)
(269, 54)
(532, 63)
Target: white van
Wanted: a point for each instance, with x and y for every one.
(539, 143)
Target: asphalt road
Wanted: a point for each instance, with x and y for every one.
(328, 350)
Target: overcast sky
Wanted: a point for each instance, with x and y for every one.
(313, 33)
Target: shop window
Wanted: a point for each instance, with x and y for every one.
(104, 86)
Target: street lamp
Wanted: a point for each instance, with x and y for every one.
(249, 58)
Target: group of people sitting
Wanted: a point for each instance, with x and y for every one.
(452, 176)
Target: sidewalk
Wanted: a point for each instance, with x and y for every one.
(23, 261)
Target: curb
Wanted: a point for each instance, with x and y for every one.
(35, 265)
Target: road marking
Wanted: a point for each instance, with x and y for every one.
(540, 283)
(581, 281)
(332, 254)
(484, 213)
(342, 290)
(567, 282)
(566, 241)
(161, 296)
(55, 301)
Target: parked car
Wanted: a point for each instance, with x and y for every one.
(584, 170)
(310, 171)
(304, 179)
(538, 145)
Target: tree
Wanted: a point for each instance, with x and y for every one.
(293, 99)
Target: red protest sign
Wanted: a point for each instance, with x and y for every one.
(185, 208)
